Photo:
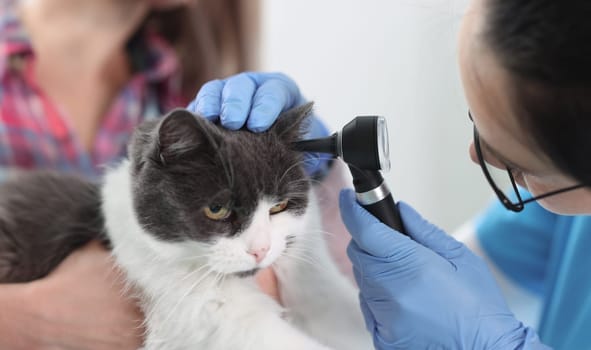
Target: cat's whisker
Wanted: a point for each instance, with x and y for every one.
(203, 278)
(195, 258)
(312, 233)
(307, 260)
(312, 262)
(223, 279)
(305, 251)
(296, 194)
(192, 273)
(301, 252)
(301, 162)
(219, 278)
(300, 245)
(186, 277)
(280, 178)
(319, 185)
(303, 189)
(189, 291)
(308, 180)
(318, 236)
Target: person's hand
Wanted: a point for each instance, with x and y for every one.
(256, 100)
(429, 291)
(267, 282)
(82, 305)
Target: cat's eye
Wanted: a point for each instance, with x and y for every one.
(217, 212)
(279, 207)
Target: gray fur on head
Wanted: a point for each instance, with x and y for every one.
(184, 163)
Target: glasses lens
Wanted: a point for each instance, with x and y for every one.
(502, 180)
(497, 173)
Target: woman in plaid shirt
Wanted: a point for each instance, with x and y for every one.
(76, 76)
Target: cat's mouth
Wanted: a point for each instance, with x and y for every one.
(247, 273)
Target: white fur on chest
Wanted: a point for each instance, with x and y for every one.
(188, 306)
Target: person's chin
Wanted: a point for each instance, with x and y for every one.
(568, 203)
(560, 208)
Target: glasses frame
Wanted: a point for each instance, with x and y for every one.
(507, 203)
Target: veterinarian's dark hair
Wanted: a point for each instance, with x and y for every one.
(545, 45)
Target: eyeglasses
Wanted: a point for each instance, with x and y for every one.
(494, 176)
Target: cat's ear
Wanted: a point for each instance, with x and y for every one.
(181, 133)
(292, 124)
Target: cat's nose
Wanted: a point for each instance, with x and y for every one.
(259, 253)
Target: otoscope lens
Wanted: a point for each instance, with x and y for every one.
(383, 144)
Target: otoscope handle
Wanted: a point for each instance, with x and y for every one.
(373, 194)
(387, 212)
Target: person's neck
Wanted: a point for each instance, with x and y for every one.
(80, 60)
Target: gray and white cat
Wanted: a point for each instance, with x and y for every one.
(193, 213)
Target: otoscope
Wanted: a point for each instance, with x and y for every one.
(363, 145)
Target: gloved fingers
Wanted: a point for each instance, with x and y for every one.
(260, 77)
(370, 323)
(429, 235)
(207, 103)
(271, 98)
(192, 106)
(253, 98)
(369, 233)
(236, 101)
(315, 129)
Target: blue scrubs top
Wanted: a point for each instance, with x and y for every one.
(549, 255)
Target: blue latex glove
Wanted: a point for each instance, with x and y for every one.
(256, 100)
(428, 292)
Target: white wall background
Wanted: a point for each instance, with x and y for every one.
(395, 58)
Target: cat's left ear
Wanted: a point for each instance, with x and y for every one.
(182, 133)
(292, 124)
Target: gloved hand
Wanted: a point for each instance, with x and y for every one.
(256, 99)
(428, 292)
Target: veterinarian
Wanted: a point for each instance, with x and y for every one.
(526, 72)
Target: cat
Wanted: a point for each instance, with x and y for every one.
(190, 216)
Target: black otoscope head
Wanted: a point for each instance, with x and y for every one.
(363, 145)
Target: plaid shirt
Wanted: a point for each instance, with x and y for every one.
(35, 133)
